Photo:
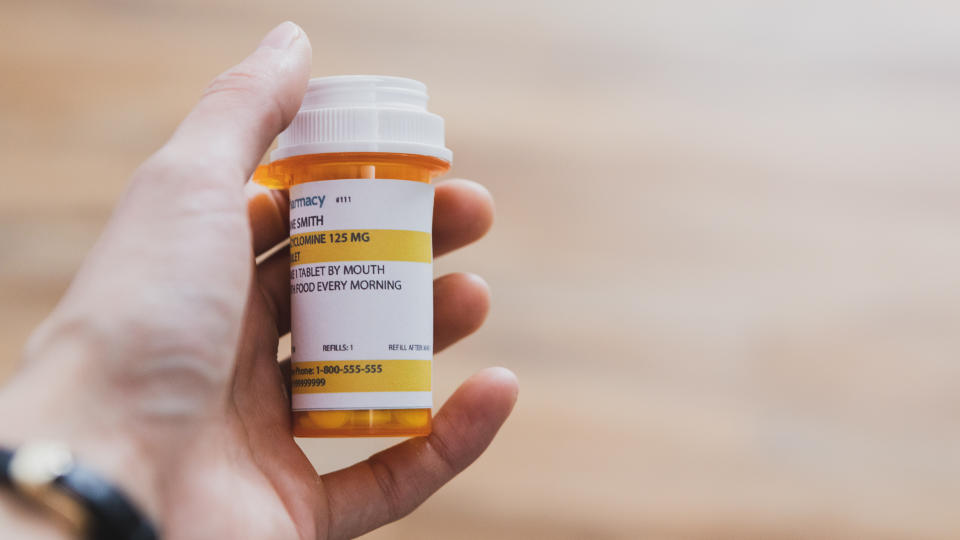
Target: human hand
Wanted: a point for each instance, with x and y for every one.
(159, 365)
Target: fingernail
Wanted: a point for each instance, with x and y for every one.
(282, 36)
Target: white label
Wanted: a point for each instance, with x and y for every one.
(361, 282)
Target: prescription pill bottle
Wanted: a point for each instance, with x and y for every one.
(358, 160)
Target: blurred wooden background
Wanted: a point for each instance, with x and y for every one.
(726, 265)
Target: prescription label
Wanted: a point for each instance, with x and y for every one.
(361, 284)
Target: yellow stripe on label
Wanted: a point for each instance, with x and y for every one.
(360, 245)
(360, 376)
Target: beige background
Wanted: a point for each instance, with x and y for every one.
(725, 267)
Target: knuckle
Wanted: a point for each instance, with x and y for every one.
(243, 80)
(389, 489)
(443, 449)
(249, 87)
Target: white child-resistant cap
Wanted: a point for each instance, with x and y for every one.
(364, 113)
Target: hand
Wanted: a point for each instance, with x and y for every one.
(159, 365)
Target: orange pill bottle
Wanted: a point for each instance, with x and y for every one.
(358, 160)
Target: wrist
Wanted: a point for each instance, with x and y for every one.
(95, 441)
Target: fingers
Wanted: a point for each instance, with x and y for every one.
(273, 276)
(390, 484)
(462, 213)
(460, 305)
(460, 301)
(269, 213)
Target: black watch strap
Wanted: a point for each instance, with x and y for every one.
(110, 513)
(5, 457)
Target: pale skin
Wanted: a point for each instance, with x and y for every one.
(159, 368)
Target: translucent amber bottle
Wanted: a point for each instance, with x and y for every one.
(358, 160)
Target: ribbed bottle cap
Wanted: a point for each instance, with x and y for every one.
(364, 113)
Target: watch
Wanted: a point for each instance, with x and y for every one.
(46, 473)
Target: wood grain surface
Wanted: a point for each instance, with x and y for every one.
(726, 265)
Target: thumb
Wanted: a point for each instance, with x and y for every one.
(199, 173)
(245, 107)
(217, 146)
(178, 243)
(193, 185)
